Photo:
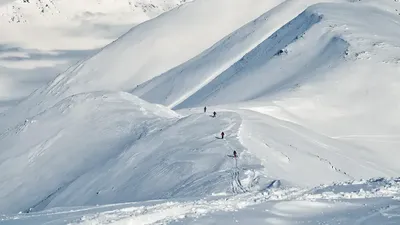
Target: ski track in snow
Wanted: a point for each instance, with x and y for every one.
(331, 165)
(286, 157)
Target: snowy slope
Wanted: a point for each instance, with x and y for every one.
(178, 84)
(143, 151)
(341, 59)
(374, 201)
(284, 147)
(106, 123)
(156, 154)
(40, 39)
(318, 37)
(82, 142)
(150, 48)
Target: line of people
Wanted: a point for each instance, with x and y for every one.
(235, 174)
(222, 133)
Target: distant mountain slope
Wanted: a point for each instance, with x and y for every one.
(207, 79)
(46, 11)
(323, 66)
(158, 45)
(148, 50)
(176, 85)
(40, 39)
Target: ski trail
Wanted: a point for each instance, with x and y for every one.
(236, 184)
(286, 158)
(331, 165)
(330, 148)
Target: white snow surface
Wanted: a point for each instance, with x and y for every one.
(373, 201)
(306, 92)
(40, 39)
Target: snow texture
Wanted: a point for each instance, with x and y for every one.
(102, 112)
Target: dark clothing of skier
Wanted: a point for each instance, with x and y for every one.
(205, 109)
(234, 154)
(222, 135)
(214, 113)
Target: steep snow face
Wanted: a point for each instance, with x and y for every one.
(349, 96)
(315, 42)
(333, 68)
(178, 84)
(153, 48)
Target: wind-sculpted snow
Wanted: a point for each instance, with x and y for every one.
(84, 131)
(143, 151)
(372, 201)
(148, 152)
(179, 83)
(212, 69)
(328, 69)
(183, 159)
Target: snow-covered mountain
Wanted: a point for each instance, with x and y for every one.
(41, 38)
(306, 92)
(46, 11)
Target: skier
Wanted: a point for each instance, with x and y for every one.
(205, 109)
(222, 135)
(214, 113)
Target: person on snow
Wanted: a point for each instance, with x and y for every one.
(234, 155)
(214, 113)
(222, 135)
(205, 109)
